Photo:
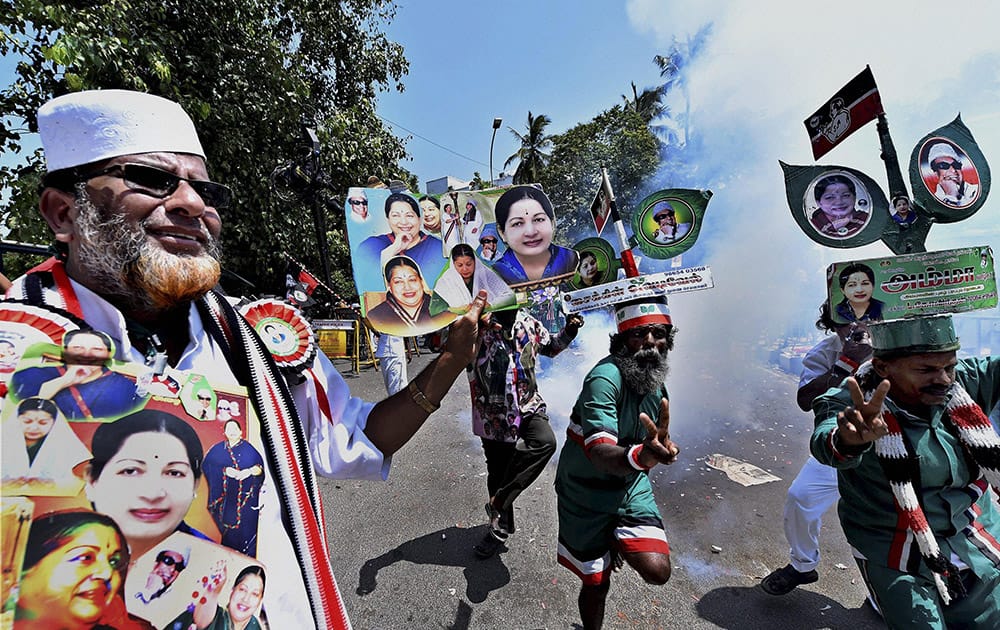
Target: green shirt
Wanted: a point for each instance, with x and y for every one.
(605, 411)
(953, 501)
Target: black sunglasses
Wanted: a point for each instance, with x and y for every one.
(159, 183)
(170, 562)
(359, 202)
(940, 166)
(488, 240)
(640, 332)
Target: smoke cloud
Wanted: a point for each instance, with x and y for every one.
(764, 69)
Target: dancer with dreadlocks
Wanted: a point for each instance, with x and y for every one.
(916, 457)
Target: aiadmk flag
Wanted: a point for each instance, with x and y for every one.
(604, 201)
(854, 105)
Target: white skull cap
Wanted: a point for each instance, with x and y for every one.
(941, 149)
(84, 127)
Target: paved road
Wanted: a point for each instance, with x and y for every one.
(402, 550)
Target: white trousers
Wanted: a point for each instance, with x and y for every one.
(812, 493)
(393, 373)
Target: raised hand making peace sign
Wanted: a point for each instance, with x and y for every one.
(658, 448)
(863, 423)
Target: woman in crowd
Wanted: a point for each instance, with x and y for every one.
(431, 212)
(73, 575)
(857, 282)
(526, 223)
(144, 473)
(837, 215)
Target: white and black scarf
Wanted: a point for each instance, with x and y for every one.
(964, 419)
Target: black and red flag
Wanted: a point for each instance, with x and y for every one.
(853, 106)
(299, 284)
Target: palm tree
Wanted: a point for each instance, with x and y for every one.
(532, 157)
(674, 66)
(649, 105)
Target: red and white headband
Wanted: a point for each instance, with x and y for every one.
(634, 315)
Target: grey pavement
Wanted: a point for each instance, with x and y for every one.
(402, 549)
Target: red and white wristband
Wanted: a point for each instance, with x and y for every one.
(633, 458)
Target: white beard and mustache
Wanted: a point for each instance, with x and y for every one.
(121, 264)
(643, 371)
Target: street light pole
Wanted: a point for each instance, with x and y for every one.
(496, 125)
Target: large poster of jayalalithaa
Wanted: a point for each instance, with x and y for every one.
(119, 460)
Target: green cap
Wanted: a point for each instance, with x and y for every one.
(917, 335)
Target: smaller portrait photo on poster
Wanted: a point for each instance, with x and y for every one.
(948, 173)
(42, 455)
(667, 222)
(394, 227)
(837, 204)
(24, 325)
(463, 278)
(451, 221)
(855, 300)
(403, 309)
(474, 215)
(430, 214)
(77, 377)
(598, 263)
(526, 222)
(186, 582)
(490, 248)
(672, 223)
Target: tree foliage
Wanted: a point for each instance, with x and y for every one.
(532, 157)
(618, 139)
(650, 105)
(674, 70)
(252, 74)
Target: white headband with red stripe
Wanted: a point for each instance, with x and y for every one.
(633, 315)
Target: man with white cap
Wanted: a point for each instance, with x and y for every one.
(166, 570)
(951, 188)
(137, 223)
(670, 231)
(607, 512)
(916, 457)
(358, 201)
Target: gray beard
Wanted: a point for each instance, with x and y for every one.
(643, 371)
(123, 266)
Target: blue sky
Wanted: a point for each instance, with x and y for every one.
(473, 61)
